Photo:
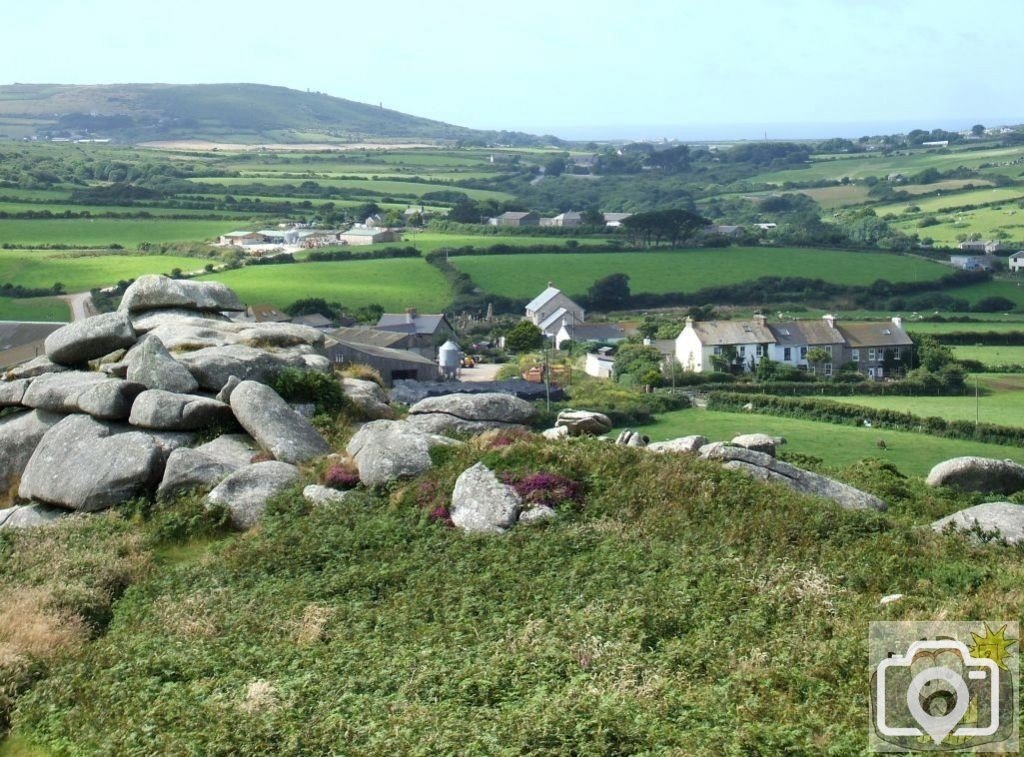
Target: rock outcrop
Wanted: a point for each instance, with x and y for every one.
(1004, 519)
(81, 341)
(150, 364)
(684, 444)
(470, 413)
(20, 433)
(368, 397)
(169, 411)
(630, 438)
(156, 292)
(245, 492)
(758, 442)
(385, 451)
(29, 516)
(978, 474)
(317, 495)
(271, 422)
(584, 422)
(483, 504)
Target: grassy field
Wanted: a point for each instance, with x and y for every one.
(408, 188)
(987, 222)
(914, 454)
(686, 270)
(33, 309)
(991, 355)
(60, 207)
(940, 203)
(102, 232)
(393, 284)
(1011, 290)
(1012, 323)
(81, 271)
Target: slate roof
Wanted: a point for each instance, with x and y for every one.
(428, 324)
(596, 332)
(733, 332)
(543, 298)
(552, 319)
(880, 334)
(388, 353)
(316, 320)
(808, 333)
(512, 215)
(365, 335)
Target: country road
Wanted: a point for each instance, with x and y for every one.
(80, 304)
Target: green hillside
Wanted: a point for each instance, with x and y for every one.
(246, 113)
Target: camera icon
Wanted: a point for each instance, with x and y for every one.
(939, 686)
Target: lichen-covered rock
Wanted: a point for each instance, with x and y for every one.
(213, 366)
(758, 442)
(224, 395)
(316, 494)
(37, 366)
(584, 422)
(153, 292)
(978, 474)
(191, 469)
(1003, 518)
(169, 411)
(91, 338)
(280, 335)
(385, 451)
(29, 516)
(470, 413)
(147, 320)
(274, 425)
(537, 514)
(88, 465)
(20, 433)
(82, 392)
(245, 492)
(368, 397)
(483, 504)
(630, 438)
(558, 432)
(150, 364)
(12, 392)
(684, 444)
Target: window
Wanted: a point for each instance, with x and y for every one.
(871, 354)
(896, 355)
(803, 353)
(741, 350)
(760, 350)
(718, 350)
(828, 369)
(828, 349)
(855, 356)
(787, 353)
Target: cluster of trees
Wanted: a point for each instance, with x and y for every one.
(673, 226)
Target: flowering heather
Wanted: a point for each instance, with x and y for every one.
(442, 516)
(341, 477)
(548, 489)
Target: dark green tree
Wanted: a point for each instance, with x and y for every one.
(610, 293)
(524, 337)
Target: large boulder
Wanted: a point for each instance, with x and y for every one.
(29, 516)
(684, 444)
(385, 451)
(368, 397)
(169, 411)
(82, 392)
(91, 338)
(584, 422)
(147, 320)
(1004, 518)
(20, 433)
(207, 465)
(630, 438)
(280, 335)
(213, 366)
(88, 465)
(470, 413)
(758, 442)
(245, 492)
(764, 467)
(155, 292)
(483, 504)
(195, 333)
(274, 425)
(150, 364)
(37, 366)
(978, 474)
(12, 392)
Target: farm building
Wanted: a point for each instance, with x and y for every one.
(23, 340)
(368, 236)
(599, 364)
(314, 320)
(550, 308)
(568, 220)
(1016, 261)
(263, 314)
(988, 247)
(423, 333)
(512, 218)
(970, 262)
(392, 365)
(367, 335)
(614, 220)
(241, 238)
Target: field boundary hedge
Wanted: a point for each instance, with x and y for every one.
(826, 411)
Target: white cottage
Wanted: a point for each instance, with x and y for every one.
(700, 341)
(551, 309)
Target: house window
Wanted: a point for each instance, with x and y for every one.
(828, 369)
(896, 355)
(871, 354)
(787, 353)
(803, 353)
(855, 356)
(760, 350)
(828, 349)
(741, 350)
(718, 350)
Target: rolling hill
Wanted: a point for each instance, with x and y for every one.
(244, 113)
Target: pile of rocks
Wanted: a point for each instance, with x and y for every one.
(110, 411)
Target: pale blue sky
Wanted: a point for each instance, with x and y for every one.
(597, 68)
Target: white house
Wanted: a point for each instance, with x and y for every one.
(700, 341)
(549, 309)
(599, 364)
(1015, 261)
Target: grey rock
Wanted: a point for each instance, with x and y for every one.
(197, 333)
(147, 320)
(109, 400)
(368, 397)
(584, 422)
(978, 474)
(82, 392)
(88, 465)
(274, 425)
(316, 494)
(306, 409)
(213, 366)
(193, 469)
(708, 451)
(385, 451)
(231, 449)
(558, 432)
(630, 438)
(408, 392)
(115, 370)
(470, 413)
(684, 444)
(12, 392)
(94, 337)
(111, 358)
(1004, 518)
(537, 514)
(150, 364)
(757, 442)
(168, 441)
(37, 366)
(30, 516)
(224, 395)
(764, 467)
(169, 411)
(20, 433)
(157, 292)
(483, 504)
(245, 492)
(317, 363)
(280, 335)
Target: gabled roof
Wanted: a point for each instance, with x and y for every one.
(571, 215)
(428, 324)
(719, 333)
(1018, 254)
(512, 215)
(608, 217)
(268, 314)
(880, 334)
(381, 352)
(808, 333)
(543, 298)
(366, 335)
(552, 319)
(315, 320)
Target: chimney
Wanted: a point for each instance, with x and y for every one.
(830, 320)
(760, 319)
(689, 321)
(551, 284)
(410, 315)
(897, 321)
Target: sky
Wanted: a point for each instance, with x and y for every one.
(579, 69)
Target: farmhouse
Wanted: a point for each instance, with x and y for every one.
(989, 246)
(512, 218)
(368, 236)
(970, 262)
(423, 333)
(876, 349)
(1016, 261)
(568, 220)
(550, 308)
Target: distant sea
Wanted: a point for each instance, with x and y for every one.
(698, 132)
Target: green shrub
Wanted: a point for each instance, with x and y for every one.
(321, 389)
